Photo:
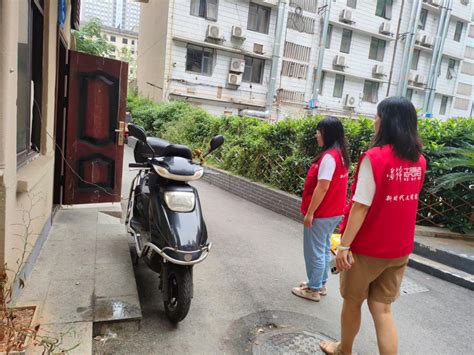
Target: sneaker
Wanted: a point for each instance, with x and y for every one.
(305, 292)
(323, 291)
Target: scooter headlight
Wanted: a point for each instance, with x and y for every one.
(180, 201)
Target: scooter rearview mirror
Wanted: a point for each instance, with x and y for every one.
(216, 142)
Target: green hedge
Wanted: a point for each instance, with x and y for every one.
(279, 154)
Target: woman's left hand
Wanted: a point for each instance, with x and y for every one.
(308, 220)
(342, 260)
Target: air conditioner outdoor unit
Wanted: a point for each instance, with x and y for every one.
(237, 65)
(420, 79)
(339, 61)
(234, 79)
(238, 32)
(428, 41)
(258, 48)
(435, 2)
(385, 28)
(412, 76)
(346, 16)
(213, 32)
(420, 37)
(378, 69)
(350, 101)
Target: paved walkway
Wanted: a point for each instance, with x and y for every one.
(83, 275)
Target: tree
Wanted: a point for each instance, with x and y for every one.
(126, 55)
(89, 39)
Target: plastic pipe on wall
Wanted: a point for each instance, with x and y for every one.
(322, 47)
(435, 53)
(276, 54)
(440, 55)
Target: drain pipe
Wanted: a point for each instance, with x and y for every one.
(440, 54)
(411, 44)
(395, 48)
(432, 74)
(276, 55)
(322, 47)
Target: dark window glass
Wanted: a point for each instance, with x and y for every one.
(124, 40)
(259, 18)
(338, 86)
(254, 68)
(384, 9)
(415, 59)
(377, 49)
(458, 31)
(321, 82)
(112, 38)
(205, 8)
(444, 104)
(371, 91)
(423, 17)
(451, 73)
(346, 41)
(409, 95)
(352, 3)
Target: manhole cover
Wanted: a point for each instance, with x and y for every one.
(409, 287)
(287, 341)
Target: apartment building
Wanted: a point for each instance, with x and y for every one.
(112, 13)
(123, 39)
(274, 58)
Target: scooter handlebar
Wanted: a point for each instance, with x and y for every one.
(139, 165)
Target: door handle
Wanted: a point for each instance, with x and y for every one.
(120, 131)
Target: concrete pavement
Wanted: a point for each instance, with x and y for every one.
(244, 287)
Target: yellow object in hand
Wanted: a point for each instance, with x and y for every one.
(335, 241)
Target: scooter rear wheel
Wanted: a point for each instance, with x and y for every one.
(180, 288)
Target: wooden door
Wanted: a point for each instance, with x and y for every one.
(95, 123)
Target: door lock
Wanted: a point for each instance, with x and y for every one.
(121, 133)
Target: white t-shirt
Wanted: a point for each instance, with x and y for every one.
(327, 168)
(365, 189)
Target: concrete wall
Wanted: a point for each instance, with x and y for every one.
(153, 47)
(32, 182)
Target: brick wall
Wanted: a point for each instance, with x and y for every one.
(278, 201)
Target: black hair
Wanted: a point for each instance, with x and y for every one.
(399, 128)
(332, 131)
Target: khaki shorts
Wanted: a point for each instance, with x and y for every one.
(373, 279)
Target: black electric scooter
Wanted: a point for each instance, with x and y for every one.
(164, 216)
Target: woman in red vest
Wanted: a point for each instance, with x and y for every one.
(323, 201)
(378, 234)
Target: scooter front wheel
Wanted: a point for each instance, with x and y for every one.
(180, 290)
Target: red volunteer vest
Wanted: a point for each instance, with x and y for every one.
(389, 228)
(335, 198)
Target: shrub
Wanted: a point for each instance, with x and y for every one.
(279, 154)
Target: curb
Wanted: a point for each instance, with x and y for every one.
(445, 257)
(444, 273)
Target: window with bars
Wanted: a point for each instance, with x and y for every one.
(205, 8)
(259, 18)
(294, 70)
(458, 31)
(377, 49)
(297, 52)
(300, 23)
(254, 68)
(290, 96)
(346, 41)
(384, 9)
(338, 86)
(199, 59)
(306, 5)
(371, 91)
(423, 17)
(415, 59)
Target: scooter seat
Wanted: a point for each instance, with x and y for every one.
(159, 145)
